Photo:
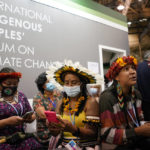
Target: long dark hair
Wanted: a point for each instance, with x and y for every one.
(83, 93)
(40, 81)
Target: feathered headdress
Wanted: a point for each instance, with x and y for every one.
(57, 70)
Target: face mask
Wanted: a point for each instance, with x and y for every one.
(93, 91)
(72, 91)
(50, 87)
(8, 91)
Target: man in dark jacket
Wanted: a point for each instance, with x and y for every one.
(143, 81)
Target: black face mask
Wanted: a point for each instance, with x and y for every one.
(8, 90)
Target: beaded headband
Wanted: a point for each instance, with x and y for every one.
(11, 74)
(121, 62)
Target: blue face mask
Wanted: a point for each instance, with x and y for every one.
(50, 87)
(93, 91)
(72, 91)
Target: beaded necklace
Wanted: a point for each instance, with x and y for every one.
(67, 107)
(121, 98)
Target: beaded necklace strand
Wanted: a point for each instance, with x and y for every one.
(67, 107)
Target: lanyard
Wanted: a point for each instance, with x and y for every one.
(134, 121)
(53, 103)
(72, 120)
(15, 108)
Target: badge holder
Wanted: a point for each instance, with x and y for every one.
(72, 145)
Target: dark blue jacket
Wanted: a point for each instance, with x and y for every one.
(143, 80)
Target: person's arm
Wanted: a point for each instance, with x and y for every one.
(92, 110)
(87, 131)
(26, 108)
(3, 123)
(143, 130)
(11, 121)
(59, 104)
(92, 115)
(37, 106)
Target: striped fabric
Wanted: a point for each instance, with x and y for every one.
(53, 142)
(113, 118)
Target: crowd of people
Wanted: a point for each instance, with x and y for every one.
(86, 118)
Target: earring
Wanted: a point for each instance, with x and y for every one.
(133, 94)
(120, 96)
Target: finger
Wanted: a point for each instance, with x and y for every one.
(61, 121)
(19, 118)
(58, 126)
(47, 123)
(53, 124)
(148, 123)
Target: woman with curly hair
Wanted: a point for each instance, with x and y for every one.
(45, 100)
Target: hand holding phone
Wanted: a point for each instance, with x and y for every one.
(51, 116)
(27, 114)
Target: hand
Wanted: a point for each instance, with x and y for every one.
(63, 125)
(15, 120)
(147, 122)
(67, 125)
(54, 128)
(29, 118)
(143, 130)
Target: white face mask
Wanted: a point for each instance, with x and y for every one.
(93, 91)
(72, 91)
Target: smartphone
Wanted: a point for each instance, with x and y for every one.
(27, 114)
(51, 116)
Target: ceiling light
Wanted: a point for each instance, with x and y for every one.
(144, 19)
(129, 23)
(120, 7)
(141, 20)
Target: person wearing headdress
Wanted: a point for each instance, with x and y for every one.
(120, 109)
(45, 100)
(78, 113)
(13, 105)
(143, 82)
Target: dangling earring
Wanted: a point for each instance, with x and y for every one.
(133, 94)
(120, 96)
